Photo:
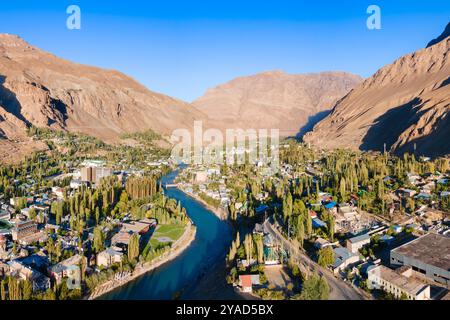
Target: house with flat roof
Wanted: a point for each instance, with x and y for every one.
(399, 283)
(140, 227)
(356, 243)
(428, 256)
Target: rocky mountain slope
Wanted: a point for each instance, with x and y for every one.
(275, 100)
(404, 105)
(443, 36)
(38, 88)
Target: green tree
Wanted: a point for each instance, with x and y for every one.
(99, 239)
(342, 189)
(300, 231)
(32, 214)
(315, 288)
(27, 290)
(133, 247)
(259, 247)
(248, 245)
(3, 290)
(326, 257)
(309, 226)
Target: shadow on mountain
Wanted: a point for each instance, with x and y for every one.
(8, 100)
(312, 121)
(444, 83)
(60, 110)
(435, 144)
(389, 126)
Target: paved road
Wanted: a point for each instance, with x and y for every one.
(339, 290)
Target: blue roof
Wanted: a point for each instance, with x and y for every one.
(341, 254)
(330, 205)
(317, 223)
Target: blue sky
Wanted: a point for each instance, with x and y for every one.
(181, 47)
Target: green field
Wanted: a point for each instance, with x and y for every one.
(163, 236)
(167, 233)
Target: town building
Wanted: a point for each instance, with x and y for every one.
(201, 176)
(321, 243)
(94, 174)
(428, 256)
(140, 227)
(39, 281)
(65, 268)
(258, 229)
(246, 282)
(408, 193)
(343, 258)
(58, 191)
(356, 243)
(122, 238)
(23, 228)
(399, 283)
(271, 250)
(109, 257)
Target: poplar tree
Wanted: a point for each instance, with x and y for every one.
(133, 247)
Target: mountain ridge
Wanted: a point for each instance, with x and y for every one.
(38, 88)
(404, 105)
(275, 99)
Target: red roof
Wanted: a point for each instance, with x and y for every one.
(246, 280)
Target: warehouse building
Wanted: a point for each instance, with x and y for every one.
(428, 256)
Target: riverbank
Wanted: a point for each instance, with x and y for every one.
(213, 284)
(218, 212)
(177, 248)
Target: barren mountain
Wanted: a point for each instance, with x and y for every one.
(41, 89)
(404, 105)
(275, 100)
(443, 36)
